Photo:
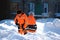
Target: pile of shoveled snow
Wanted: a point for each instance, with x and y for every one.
(51, 24)
(8, 31)
(12, 35)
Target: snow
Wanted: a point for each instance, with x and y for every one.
(40, 27)
(47, 29)
(57, 22)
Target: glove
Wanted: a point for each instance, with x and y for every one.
(17, 23)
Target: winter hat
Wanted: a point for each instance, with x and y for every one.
(31, 13)
(19, 11)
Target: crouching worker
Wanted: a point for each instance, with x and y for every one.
(31, 23)
(21, 20)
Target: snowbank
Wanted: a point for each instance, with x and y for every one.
(8, 30)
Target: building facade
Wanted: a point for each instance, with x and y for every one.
(41, 8)
(27, 6)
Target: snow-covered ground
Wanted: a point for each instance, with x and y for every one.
(47, 29)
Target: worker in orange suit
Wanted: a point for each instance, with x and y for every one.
(31, 22)
(22, 21)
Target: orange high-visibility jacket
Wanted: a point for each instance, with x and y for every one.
(22, 19)
(31, 20)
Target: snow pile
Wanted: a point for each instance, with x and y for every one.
(7, 27)
(11, 35)
(54, 23)
(49, 24)
(40, 27)
(44, 20)
(53, 26)
(57, 22)
(53, 35)
(8, 31)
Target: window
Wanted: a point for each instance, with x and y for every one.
(45, 11)
(13, 6)
(32, 7)
(45, 7)
(58, 7)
